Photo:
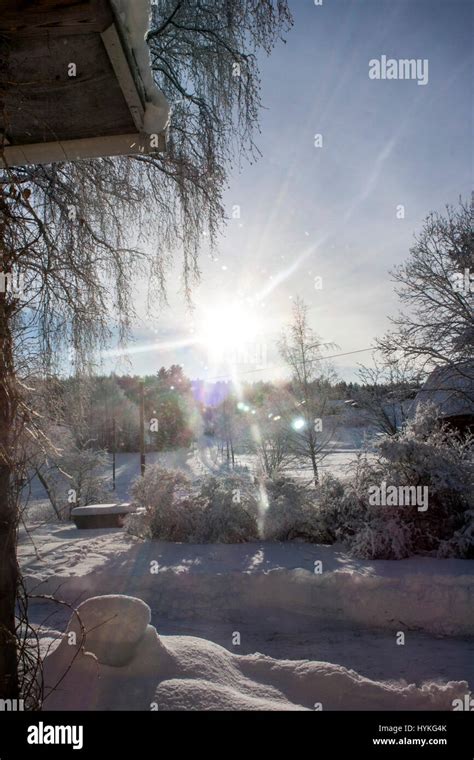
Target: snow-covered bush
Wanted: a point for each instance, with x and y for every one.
(425, 455)
(173, 511)
(331, 499)
(217, 510)
(437, 457)
(291, 512)
(230, 508)
(387, 537)
(230, 514)
(138, 524)
(461, 543)
(85, 468)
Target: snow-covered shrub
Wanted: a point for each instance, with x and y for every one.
(342, 506)
(345, 515)
(330, 496)
(426, 455)
(218, 510)
(85, 468)
(291, 512)
(173, 509)
(230, 514)
(138, 524)
(461, 544)
(386, 537)
(439, 458)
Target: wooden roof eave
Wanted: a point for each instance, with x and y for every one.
(74, 150)
(128, 78)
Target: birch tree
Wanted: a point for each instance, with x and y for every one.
(303, 351)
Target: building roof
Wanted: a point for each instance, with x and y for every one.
(450, 389)
(74, 85)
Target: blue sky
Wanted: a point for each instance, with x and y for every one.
(330, 211)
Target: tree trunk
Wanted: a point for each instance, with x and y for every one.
(8, 589)
(9, 573)
(314, 463)
(142, 430)
(44, 483)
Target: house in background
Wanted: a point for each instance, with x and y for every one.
(451, 390)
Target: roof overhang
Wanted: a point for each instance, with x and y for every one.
(47, 113)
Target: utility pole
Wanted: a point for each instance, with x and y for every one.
(142, 428)
(113, 453)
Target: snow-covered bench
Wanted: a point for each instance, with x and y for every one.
(102, 515)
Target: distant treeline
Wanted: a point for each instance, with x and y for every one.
(106, 409)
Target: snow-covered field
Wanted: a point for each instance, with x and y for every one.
(269, 594)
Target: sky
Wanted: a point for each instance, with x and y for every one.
(322, 218)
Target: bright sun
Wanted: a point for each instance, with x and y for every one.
(228, 327)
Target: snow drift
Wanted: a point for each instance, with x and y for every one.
(115, 660)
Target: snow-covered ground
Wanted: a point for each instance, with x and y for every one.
(114, 658)
(328, 632)
(268, 594)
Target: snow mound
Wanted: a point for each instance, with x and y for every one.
(126, 665)
(76, 680)
(198, 694)
(113, 626)
(70, 676)
(210, 677)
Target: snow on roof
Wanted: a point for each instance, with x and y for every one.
(134, 20)
(451, 389)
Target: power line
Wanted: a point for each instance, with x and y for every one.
(274, 366)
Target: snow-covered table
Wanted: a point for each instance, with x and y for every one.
(102, 515)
